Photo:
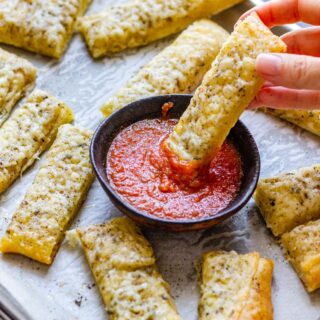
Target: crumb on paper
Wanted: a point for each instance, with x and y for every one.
(78, 301)
(91, 285)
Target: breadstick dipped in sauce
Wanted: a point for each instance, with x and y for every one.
(226, 90)
(186, 169)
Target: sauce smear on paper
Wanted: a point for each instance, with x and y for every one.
(141, 173)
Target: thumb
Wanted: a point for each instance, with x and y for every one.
(290, 70)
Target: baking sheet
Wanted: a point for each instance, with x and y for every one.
(66, 289)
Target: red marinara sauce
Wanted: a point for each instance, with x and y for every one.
(140, 172)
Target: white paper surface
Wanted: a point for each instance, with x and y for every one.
(65, 290)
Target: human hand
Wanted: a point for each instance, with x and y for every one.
(292, 79)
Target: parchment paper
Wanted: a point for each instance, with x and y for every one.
(66, 289)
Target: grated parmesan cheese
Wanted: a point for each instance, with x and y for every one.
(52, 201)
(235, 286)
(17, 77)
(306, 119)
(123, 264)
(28, 132)
(302, 246)
(139, 22)
(227, 89)
(42, 26)
(289, 199)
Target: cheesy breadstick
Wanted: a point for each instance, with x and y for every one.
(138, 22)
(306, 119)
(42, 26)
(235, 286)
(289, 199)
(302, 246)
(17, 76)
(50, 204)
(123, 264)
(227, 89)
(28, 132)
(177, 69)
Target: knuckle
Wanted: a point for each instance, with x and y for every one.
(297, 99)
(317, 100)
(300, 69)
(306, 100)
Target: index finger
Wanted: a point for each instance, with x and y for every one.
(279, 12)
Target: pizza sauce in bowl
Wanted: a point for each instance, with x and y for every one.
(146, 182)
(140, 171)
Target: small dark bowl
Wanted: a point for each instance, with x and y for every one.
(150, 108)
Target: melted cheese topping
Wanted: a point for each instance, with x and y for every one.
(289, 199)
(306, 119)
(235, 286)
(17, 76)
(139, 22)
(302, 246)
(119, 242)
(123, 264)
(227, 89)
(53, 199)
(141, 294)
(42, 26)
(29, 131)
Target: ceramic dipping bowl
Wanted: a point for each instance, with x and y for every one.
(150, 108)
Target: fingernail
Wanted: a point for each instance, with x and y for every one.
(269, 64)
(268, 84)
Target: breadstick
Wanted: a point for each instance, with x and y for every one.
(139, 22)
(52, 201)
(227, 89)
(41, 26)
(177, 69)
